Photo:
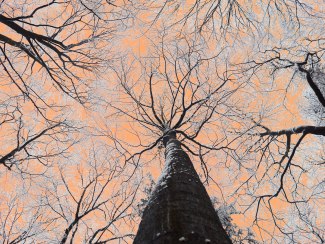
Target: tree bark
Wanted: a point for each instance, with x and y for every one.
(179, 209)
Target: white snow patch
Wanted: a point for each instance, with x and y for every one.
(182, 239)
(158, 234)
(163, 183)
(207, 240)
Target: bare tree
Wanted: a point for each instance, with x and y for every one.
(283, 156)
(230, 18)
(58, 44)
(180, 96)
(20, 222)
(187, 94)
(302, 60)
(46, 44)
(30, 144)
(86, 201)
(175, 91)
(61, 38)
(280, 175)
(235, 232)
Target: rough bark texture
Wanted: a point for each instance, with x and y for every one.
(179, 209)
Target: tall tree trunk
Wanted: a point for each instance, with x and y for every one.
(179, 209)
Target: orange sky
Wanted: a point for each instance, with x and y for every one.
(137, 43)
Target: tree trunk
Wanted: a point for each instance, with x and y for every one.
(179, 209)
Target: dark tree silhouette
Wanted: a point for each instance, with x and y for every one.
(59, 37)
(221, 18)
(31, 144)
(205, 96)
(88, 200)
(175, 102)
(48, 44)
(179, 209)
(279, 153)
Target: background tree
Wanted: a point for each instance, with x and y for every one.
(59, 38)
(20, 222)
(285, 70)
(91, 205)
(230, 77)
(30, 145)
(220, 19)
(46, 45)
(51, 52)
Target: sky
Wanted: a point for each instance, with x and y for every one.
(93, 150)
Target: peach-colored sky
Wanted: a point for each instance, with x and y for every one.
(137, 43)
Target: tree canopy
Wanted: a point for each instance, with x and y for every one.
(89, 89)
